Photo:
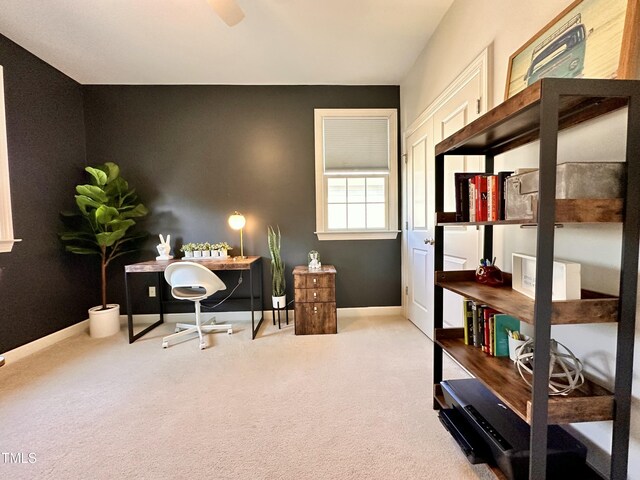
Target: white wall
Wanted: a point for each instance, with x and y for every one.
(467, 28)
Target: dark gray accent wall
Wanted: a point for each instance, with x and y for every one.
(197, 153)
(42, 289)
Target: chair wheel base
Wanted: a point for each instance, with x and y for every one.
(165, 344)
(230, 331)
(202, 346)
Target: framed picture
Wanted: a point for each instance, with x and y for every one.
(589, 39)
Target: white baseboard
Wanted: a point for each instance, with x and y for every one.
(359, 312)
(44, 342)
(221, 317)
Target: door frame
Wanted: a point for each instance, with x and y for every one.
(481, 66)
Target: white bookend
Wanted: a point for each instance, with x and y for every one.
(566, 277)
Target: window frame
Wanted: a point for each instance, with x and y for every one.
(322, 230)
(6, 219)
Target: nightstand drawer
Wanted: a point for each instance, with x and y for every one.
(315, 295)
(318, 318)
(314, 280)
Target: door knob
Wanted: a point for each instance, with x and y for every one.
(429, 241)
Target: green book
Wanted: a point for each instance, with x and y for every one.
(502, 324)
(467, 321)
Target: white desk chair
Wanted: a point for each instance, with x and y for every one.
(194, 282)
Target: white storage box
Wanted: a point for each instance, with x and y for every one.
(566, 277)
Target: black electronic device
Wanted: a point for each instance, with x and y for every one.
(474, 448)
(506, 435)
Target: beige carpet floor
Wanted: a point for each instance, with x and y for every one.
(356, 405)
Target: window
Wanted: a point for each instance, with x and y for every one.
(6, 223)
(356, 174)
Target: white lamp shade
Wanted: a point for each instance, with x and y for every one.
(237, 221)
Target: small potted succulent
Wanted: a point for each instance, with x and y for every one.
(197, 250)
(206, 249)
(187, 249)
(220, 249)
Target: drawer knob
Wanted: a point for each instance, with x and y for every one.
(315, 309)
(315, 294)
(315, 280)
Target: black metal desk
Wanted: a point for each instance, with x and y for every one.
(252, 264)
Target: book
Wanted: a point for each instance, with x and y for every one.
(467, 321)
(481, 326)
(475, 325)
(472, 199)
(461, 180)
(492, 198)
(492, 334)
(487, 313)
(502, 178)
(481, 197)
(504, 323)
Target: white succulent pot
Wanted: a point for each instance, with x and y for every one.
(197, 253)
(206, 253)
(188, 254)
(104, 323)
(222, 253)
(279, 302)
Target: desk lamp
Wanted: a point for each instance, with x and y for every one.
(237, 222)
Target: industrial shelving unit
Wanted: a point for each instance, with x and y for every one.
(539, 113)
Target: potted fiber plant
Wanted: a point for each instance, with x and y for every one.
(278, 297)
(102, 226)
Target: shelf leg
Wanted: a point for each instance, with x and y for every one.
(627, 309)
(544, 281)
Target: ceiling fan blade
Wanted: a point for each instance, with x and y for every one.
(228, 11)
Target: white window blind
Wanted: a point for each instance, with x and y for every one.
(356, 144)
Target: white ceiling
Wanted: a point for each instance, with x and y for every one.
(348, 42)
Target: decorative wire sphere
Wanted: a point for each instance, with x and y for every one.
(565, 370)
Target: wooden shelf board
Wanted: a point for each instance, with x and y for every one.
(516, 121)
(594, 307)
(568, 210)
(588, 210)
(589, 403)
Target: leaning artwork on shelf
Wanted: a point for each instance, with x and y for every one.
(566, 277)
(589, 39)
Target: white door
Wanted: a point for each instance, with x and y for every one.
(419, 249)
(462, 245)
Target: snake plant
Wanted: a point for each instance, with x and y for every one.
(277, 265)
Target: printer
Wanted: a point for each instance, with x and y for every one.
(489, 432)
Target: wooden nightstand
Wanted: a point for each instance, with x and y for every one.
(315, 300)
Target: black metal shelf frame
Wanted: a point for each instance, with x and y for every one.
(551, 92)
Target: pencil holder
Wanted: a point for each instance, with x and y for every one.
(490, 275)
(515, 346)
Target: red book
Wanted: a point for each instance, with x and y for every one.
(481, 198)
(487, 313)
